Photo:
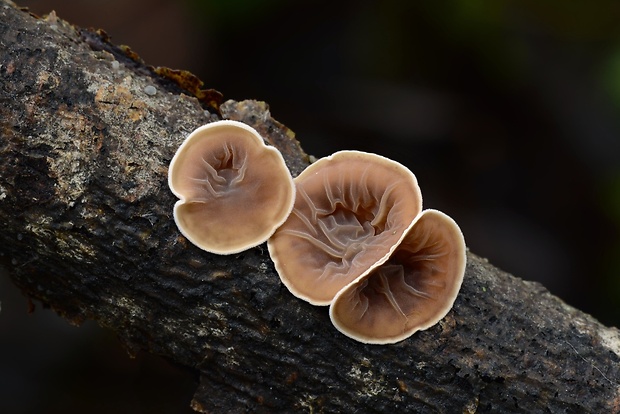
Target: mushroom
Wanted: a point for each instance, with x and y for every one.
(234, 190)
(351, 211)
(413, 290)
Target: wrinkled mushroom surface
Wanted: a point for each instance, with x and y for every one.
(234, 190)
(411, 291)
(351, 211)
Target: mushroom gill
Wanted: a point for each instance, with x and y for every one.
(351, 211)
(411, 291)
(234, 190)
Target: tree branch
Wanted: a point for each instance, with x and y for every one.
(85, 213)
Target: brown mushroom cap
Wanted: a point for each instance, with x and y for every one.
(234, 190)
(351, 211)
(413, 290)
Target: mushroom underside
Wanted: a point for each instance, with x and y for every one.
(345, 220)
(411, 291)
(234, 190)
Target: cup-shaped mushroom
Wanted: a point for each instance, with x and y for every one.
(351, 210)
(234, 190)
(413, 290)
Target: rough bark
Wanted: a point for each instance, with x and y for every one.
(85, 220)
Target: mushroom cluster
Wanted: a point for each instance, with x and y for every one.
(358, 240)
(348, 232)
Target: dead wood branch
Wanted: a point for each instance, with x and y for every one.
(87, 133)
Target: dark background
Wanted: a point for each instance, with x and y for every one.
(506, 111)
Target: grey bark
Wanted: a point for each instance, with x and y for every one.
(85, 218)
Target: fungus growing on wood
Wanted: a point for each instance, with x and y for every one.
(351, 211)
(234, 190)
(411, 291)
